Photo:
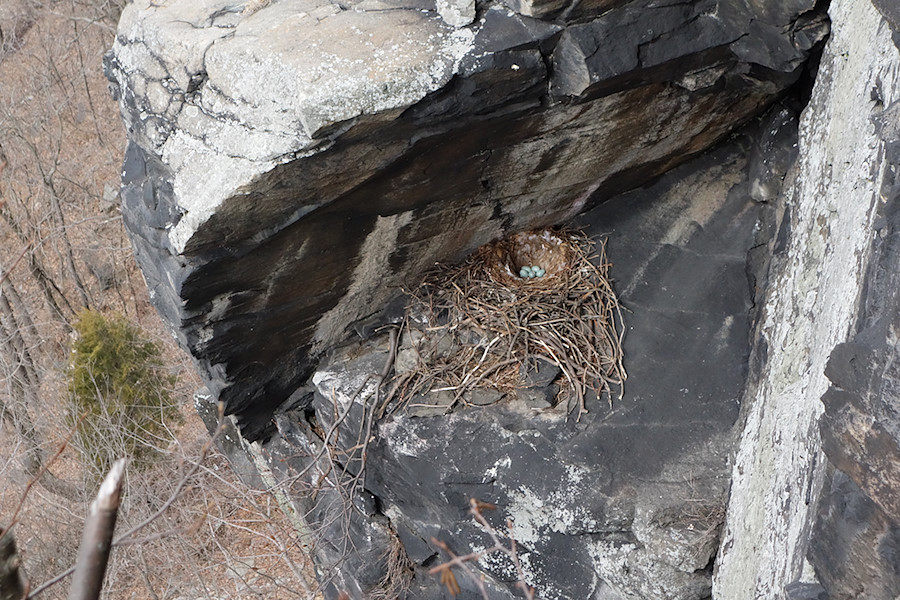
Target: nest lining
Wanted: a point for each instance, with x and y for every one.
(485, 325)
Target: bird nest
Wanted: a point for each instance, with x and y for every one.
(486, 322)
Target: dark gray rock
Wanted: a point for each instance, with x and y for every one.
(628, 502)
(229, 441)
(781, 12)
(856, 546)
(328, 512)
(540, 398)
(273, 217)
(805, 591)
(483, 397)
(780, 53)
(860, 428)
(890, 11)
(644, 37)
(540, 373)
(502, 31)
(101, 265)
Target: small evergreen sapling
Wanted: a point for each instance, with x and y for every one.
(117, 381)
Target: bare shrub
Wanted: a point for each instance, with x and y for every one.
(503, 544)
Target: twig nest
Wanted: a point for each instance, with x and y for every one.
(538, 296)
(527, 256)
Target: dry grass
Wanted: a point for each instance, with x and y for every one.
(479, 324)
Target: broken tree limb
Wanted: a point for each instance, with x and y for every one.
(93, 554)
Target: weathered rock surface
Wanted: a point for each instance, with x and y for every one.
(279, 194)
(855, 546)
(626, 504)
(828, 314)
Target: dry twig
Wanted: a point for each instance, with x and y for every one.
(510, 550)
(93, 554)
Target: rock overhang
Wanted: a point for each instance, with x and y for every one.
(587, 496)
(230, 96)
(284, 195)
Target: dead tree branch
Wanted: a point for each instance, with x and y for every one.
(510, 550)
(93, 554)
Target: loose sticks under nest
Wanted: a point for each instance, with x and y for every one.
(499, 322)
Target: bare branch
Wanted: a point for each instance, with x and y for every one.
(93, 554)
(6, 273)
(446, 569)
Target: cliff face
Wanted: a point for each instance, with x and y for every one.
(827, 345)
(626, 502)
(280, 194)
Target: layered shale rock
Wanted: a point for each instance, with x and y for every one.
(626, 503)
(290, 170)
